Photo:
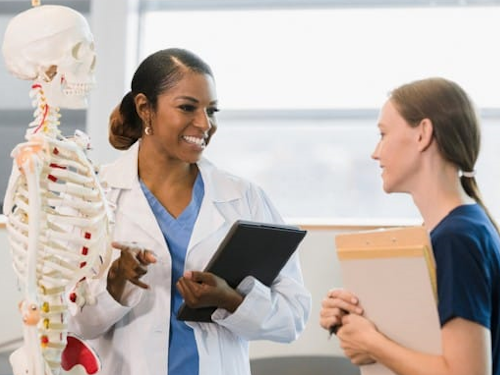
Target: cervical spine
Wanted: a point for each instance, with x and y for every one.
(59, 231)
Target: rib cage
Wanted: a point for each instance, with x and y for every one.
(74, 218)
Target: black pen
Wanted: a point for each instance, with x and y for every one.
(333, 329)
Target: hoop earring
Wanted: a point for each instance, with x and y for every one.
(148, 130)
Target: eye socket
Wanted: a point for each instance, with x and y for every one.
(76, 50)
(79, 49)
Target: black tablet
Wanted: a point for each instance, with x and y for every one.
(249, 249)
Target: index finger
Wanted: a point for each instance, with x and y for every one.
(195, 276)
(199, 277)
(144, 256)
(343, 300)
(343, 295)
(126, 246)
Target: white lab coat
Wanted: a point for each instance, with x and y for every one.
(131, 337)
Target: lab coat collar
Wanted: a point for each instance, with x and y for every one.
(219, 189)
(122, 173)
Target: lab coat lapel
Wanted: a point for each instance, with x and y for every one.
(209, 221)
(218, 191)
(122, 175)
(134, 207)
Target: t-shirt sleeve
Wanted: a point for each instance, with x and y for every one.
(464, 289)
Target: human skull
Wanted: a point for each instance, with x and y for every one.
(52, 44)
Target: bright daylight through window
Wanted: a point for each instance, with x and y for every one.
(299, 92)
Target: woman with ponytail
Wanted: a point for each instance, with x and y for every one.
(173, 209)
(430, 141)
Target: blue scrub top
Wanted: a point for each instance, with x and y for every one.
(182, 352)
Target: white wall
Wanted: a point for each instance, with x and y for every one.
(114, 24)
(321, 272)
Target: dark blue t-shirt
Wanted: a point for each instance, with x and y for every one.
(467, 251)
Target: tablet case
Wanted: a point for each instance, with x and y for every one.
(392, 271)
(249, 248)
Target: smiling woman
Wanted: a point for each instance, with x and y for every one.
(191, 101)
(173, 201)
(396, 139)
(430, 137)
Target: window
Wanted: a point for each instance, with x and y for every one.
(300, 87)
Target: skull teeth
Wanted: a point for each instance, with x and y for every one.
(77, 89)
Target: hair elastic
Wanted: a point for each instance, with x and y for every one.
(470, 174)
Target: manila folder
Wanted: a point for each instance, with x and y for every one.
(392, 271)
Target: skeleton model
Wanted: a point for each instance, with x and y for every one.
(58, 219)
